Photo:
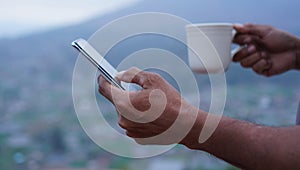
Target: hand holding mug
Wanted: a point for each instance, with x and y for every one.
(268, 51)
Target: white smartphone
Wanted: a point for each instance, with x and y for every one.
(106, 69)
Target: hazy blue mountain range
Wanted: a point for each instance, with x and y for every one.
(50, 51)
(42, 63)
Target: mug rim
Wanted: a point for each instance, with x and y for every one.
(215, 24)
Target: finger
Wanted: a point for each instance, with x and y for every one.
(131, 134)
(250, 60)
(281, 63)
(254, 29)
(130, 124)
(243, 39)
(261, 66)
(106, 89)
(244, 52)
(247, 39)
(125, 123)
(132, 75)
(137, 134)
(143, 78)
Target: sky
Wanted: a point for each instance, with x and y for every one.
(19, 17)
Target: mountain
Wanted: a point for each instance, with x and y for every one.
(51, 50)
(42, 63)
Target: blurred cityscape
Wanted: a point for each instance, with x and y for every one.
(35, 136)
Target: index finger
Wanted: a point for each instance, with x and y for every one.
(135, 75)
(254, 29)
(106, 89)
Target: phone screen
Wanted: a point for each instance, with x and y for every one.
(106, 69)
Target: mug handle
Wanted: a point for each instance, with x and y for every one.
(238, 48)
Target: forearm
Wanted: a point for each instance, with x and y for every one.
(297, 53)
(250, 146)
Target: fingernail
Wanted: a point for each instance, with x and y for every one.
(251, 49)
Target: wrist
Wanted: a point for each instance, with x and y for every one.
(191, 140)
(297, 50)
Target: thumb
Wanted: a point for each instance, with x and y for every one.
(132, 75)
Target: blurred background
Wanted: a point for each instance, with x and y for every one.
(38, 125)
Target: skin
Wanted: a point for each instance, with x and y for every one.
(268, 51)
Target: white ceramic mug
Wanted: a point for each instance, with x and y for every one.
(209, 47)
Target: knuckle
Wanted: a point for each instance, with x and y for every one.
(136, 78)
(134, 70)
(249, 25)
(122, 123)
(120, 104)
(151, 80)
(129, 134)
(263, 62)
(154, 77)
(248, 40)
(102, 90)
(132, 134)
(244, 64)
(268, 27)
(101, 87)
(256, 70)
(255, 67)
